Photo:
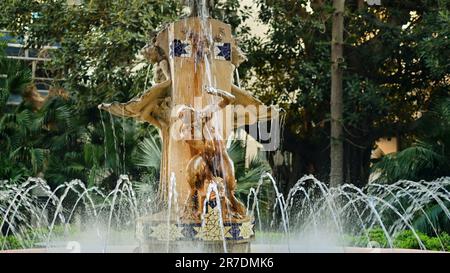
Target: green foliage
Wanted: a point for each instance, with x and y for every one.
(149, 153)
(19, 156)
(429, 157)
(96, 61)
(12, 242)
(395, 64)
(374, 237)
(247, 177)
(17, 76)
(28, 239)
(438, 217)
(414, 163)
(404, 239)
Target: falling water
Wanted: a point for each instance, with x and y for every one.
(116, 148)
(124, 148)
(212, 188)
(279, 201)
(238, 79)
(26, 218)
(104, 139)
(173, 200)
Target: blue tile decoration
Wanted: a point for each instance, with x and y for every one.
(179, 48)
(235, 232)
(222, 51)
(189, 231)
(212, 204)
(207, 230)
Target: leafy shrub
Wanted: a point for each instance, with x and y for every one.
(30, 238)
(404, 239)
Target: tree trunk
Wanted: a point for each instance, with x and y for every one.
(361, 4)
(337, 136)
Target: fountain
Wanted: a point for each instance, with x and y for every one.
(311, 218)
(196, 106)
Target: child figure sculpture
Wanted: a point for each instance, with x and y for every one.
(211, 162)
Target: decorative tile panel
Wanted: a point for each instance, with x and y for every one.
(180, 48)
(222, 51)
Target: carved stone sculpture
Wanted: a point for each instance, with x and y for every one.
(194, 92)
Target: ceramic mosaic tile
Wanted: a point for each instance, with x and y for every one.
(180, 48)
(222, 51)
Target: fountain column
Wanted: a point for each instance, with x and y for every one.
(193, 106)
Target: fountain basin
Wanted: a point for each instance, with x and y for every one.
(191, 248)
(213, 234)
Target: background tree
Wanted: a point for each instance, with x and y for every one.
(337, 96)
(392, 71)
(395, 67)
(19, 157)
(429, 155)
(97, 61)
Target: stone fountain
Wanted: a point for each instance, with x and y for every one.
(196, 105)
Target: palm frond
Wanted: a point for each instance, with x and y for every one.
(18, 76)
(149, 153)
(92, 153)
(252, 175)
(24, 118)
(434, 213)
(4, 97)
(97, 175)
(237, 152)
(37, 159)
(443, 110)
(58, 114)
(418, 162)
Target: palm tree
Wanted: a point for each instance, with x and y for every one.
(19, 156)
(247, 177)
(429, 157)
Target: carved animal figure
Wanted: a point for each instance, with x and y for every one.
(155, 55)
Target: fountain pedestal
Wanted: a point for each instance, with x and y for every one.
(157, 233)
